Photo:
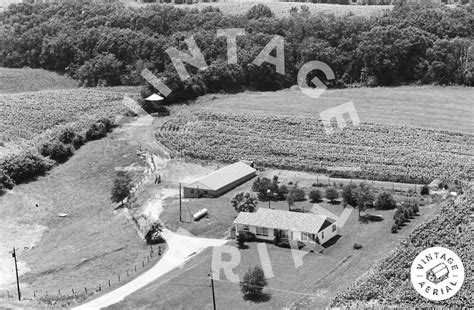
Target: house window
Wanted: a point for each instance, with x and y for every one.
(334, 227)
(205, 192)
(307, 237)
(262, 231)
(322, 235)
(246, 228)
(192, 191)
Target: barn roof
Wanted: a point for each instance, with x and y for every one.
(222, 177)
(285, 220)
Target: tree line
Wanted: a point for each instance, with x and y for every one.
(110, 44)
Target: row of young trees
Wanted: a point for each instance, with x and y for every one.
(110, 44)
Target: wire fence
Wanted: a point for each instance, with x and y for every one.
(68, 295)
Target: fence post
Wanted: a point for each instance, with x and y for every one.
(135, 268)
(85, 289)
(143, 263)
(34, 294)
(127, 273)
(109, 283)
(100, 288)
(59, 292)
(73, 291)
(119, 277)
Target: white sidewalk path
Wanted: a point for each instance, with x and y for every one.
(180, 249)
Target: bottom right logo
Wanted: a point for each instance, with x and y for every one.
(437, 273)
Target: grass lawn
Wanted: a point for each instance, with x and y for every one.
(444, 108)
(89, 246)
(320, 276)
(221, 213)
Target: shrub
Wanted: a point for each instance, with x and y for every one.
(332, 194)
(96, 131)
(107, 123)
(5, 182)
(394, 228)
(67, 136)
(297, 193)
(415, 209)
(240, 240)
(425, 190)
(285, 243)
(60, 152)
(153, 236)
(315, 195)
(259, 11)
(21, 167)
(253, 282)
(385, 201)
(247, 235)
(357, 246)
(78, 141)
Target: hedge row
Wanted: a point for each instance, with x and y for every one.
(18, 168)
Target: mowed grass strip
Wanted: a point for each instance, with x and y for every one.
(432, 107)
(14, 80)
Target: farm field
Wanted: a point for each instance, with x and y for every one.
(30, 80)
(388, 281)
(29, 118)
(382, 152)
(431, 107)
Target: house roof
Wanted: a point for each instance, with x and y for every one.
(223, 176)
(154, 97)
(285, 220)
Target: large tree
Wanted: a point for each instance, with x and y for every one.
(364, 197)
(253, 282)
(332, 194)
(122, 187)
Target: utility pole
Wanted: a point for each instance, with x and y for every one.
(16, 272)
(213, 294)
(180, 219)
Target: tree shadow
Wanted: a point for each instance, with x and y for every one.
(243, 247)
(258, 298)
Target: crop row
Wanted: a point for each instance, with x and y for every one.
(389, 283)
(37, 116)
(383, 152)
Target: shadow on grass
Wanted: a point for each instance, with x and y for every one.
(258, 298)
(242, 247)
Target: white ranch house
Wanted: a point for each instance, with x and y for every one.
(295, 226)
